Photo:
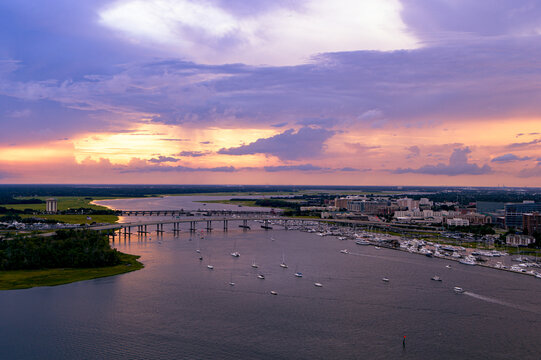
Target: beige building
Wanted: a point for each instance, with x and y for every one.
(51, 206)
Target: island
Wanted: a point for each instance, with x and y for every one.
(60, 258)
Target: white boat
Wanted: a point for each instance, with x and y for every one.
(345, 251)
(377, 247)
(261, 276)
(458, 290)
(298, 274)
(385, 279)
(435, 278)
(273, 292)
(235, 254)
(254, 265)
(283, 263)
(211, 267)
(468, 260)
(316, 284)
(342, 238)
(448, 266)
(362, 242)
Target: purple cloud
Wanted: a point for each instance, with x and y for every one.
(510, 157)
(162, 159)
(303, 167)
(523, 144)
(290, 145)
(458, 165)
(157, 168)
(192, 153)
(414, 151)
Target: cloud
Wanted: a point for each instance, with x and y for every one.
(414, 151)
(163, 159)
(303, 167)
(290, 145)
(458, 165)
(531, 172)
(287, 33)
(523, 144)
(279, 125)
(193, 153)
(159, 168)
(361, 148)
(510, 157)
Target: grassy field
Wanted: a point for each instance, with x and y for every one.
(24, 279)
(76, 219)
(65, 203)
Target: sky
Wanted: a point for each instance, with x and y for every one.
(317, 92)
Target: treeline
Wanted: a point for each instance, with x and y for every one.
(7, 199)
(485, 229)
(31, 220)
(66, 249)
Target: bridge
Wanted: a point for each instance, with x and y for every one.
(267, 220)
(182, 212)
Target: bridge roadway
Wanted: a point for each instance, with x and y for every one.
(142, 225)
(182, 212)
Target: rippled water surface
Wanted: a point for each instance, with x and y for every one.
(177, 308)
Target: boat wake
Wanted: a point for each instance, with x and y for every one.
(500, 302)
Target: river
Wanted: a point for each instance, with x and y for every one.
(177, 308)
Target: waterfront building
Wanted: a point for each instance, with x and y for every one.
(514, 212)
(458, 222)
(519, 240)
(531, 223)
(51, 206)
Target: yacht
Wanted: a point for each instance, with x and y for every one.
(385, 279)
(362, 242)
(318, 284)
(261, 276)
(298, 274)
(468, 260)
(458, 290)
(235, 254)
(211, 267)
(342, 238)
(254, 265)
(273, 292)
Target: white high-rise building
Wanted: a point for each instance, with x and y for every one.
(51, 205)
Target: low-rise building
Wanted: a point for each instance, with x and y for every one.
(531, 223)
(458, 222)
(519, 240)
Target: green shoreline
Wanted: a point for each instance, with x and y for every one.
(25, 279)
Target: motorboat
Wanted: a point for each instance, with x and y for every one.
(342, 238)
(362, 242)
(235, 254)
(298, 274)
(211, 267)
(316, 284)
(448, 266)
(458, 290)
(435, 278)
(385, 279)
(345, 251)
(273, 292)
(261, 276)
(468, 260)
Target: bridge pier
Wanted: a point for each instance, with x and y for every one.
(225, 225)
(192, 226)
(209, 225)
(159, 228)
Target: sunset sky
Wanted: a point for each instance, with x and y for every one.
(329, 92)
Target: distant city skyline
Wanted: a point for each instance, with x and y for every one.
(397, 92)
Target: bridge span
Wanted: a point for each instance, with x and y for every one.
(144, 227)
